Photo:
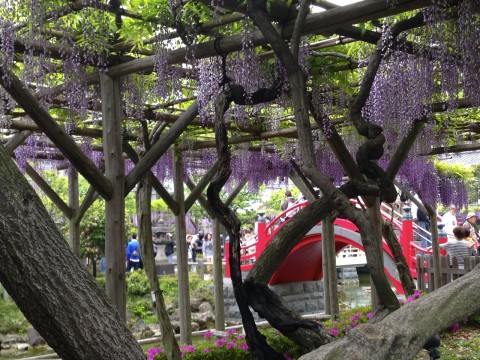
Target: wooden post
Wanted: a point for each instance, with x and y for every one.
(432, 214)
(182, 252)
(115, 206)
(218, 278)
(326, 269)
(73, 202)
(328, 244)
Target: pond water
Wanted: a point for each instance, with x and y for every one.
(6, 355)
(355, 294)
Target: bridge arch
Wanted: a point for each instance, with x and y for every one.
(304, 263)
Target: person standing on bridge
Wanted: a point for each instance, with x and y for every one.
(424, 223)
(449, 219)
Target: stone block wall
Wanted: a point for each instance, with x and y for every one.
(305, 297)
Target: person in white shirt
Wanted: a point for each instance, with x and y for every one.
(449, 219)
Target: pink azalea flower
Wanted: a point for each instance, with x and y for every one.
(455, 327)
(153, 351)
(244, 346)
(208, 334)
(206, 350)
(369, 315)
(231, 345)
(231, 332)
(334, 332)
(219, 343)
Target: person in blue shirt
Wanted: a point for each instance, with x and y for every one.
(133, 254)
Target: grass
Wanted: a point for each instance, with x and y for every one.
(463, 344)
(11, 318)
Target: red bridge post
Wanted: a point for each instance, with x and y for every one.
(226, 250)
(261, 226)
(407, 237)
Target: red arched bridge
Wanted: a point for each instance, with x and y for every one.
(304, 263)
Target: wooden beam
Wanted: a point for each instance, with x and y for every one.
(88, 132)
(52, 195)
(201, 198)
(321, 23)
(453, 149)
(201, 186)
(88, 200)
(160, 147)
(302, 183)
(17, 140)
(55, 133)
(235, 192)
(156, 184)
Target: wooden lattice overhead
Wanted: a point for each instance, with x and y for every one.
(54, 52)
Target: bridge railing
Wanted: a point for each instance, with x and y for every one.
(265, 232)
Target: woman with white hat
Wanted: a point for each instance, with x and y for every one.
(471, 223)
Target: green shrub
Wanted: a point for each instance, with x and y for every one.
(283, 345)
(137, 283)
(102, 282)
(11, 318)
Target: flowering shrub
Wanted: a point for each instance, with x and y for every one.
(416, 295)
(348, 320)
(233, 346)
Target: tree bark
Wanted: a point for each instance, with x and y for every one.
(402, 334)
(49, 284)
(400, 261)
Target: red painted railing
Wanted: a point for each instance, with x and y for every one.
(251, 252)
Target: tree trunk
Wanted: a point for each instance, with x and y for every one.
(400, 261)
(144, 200)
(402, 334)
(49, 284)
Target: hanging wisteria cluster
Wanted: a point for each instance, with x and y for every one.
(420, 175)
(452, 190)
(258, 169)
(328, 164)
